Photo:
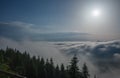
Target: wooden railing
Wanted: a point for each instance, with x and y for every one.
(13, 75)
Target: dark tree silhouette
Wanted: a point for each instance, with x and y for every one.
(85, 71)
(14, 61)
(73, 69)
(95, 76)
(63, 72)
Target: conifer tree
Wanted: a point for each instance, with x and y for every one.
(85, 71)
(73, 69)
(95, 76)
(32, 67)
(57, 72)
(63, 73)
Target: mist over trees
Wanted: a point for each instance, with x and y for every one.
(12, 60)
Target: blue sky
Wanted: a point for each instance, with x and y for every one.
(61, 16)
(37, 12)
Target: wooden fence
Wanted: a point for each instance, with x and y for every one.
(12, 75)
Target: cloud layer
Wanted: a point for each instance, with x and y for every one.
(22, 31)
(37, 48)
(101, 57)
(15, 30)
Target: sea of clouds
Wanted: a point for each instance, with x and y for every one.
(102, 58)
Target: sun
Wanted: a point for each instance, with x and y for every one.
(96, 12)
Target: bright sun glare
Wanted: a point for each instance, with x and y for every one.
(96, 12)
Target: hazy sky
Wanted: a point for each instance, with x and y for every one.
(51, 16)
(27, 25)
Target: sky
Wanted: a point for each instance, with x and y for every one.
(38, 18)
(62, 28)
